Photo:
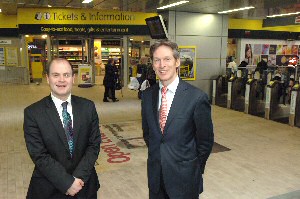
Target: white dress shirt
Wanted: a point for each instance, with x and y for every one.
(59, 107)
(170, 93)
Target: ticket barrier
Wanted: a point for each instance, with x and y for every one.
(236, 91)
(254, 105)
(294, 117)
(274, 110)
(255, 94)
(219, 95)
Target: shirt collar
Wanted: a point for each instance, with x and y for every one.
(58, 102)
(171, 87)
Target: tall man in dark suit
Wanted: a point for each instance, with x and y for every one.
(63, 140)
(177, 129)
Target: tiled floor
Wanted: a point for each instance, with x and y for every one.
(264, 160)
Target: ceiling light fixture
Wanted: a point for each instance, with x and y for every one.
(172, 5)
(0, 10)
(236, 10)
(49, 6)
(87, 1)
(282, 15)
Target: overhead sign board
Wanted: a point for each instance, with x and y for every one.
(54, 21)
(7, 42)
(80, 16)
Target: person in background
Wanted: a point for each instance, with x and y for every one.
(142, 69)
(63, 140)
(179, 137)
(232, 65)
(109, 81)
(132, 68)
(261, 66)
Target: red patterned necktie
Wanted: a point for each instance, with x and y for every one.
(163, 109)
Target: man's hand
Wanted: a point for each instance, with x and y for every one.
(75, 187)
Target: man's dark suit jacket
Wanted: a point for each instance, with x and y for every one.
(48, 148)
(180, 153)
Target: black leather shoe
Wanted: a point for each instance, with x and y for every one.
(115, 100)
(105, 100)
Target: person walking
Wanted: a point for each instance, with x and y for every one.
(177, 129)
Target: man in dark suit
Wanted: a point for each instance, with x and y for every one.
(177, 129)
(63, 142)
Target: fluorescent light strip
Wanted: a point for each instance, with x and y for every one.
(172, 5)
(287, 14)
(236, 10)
(87, 1)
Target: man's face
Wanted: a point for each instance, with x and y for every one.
(60, 79)
(165, 65)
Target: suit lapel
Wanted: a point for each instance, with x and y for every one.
(178, 102)
(76, 120)
(54, 118)
(155, 104)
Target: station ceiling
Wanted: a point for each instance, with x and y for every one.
(262, 9)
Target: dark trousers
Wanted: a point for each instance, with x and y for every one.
(111, 90)
(162, 194)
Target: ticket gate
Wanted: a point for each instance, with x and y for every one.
(236, 91)
(255, 94)
(274, 110)
(294, 117)
(254, 103)
(220, 89)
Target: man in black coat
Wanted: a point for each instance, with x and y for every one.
(109, 81)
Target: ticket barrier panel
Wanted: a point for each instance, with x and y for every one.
(294, 117)
(254, 95)
(251, 102)
(219, 95)
(236, 88)
(273, 109)
(229, 90)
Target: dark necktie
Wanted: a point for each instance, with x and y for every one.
(163, 109)
(68, 126)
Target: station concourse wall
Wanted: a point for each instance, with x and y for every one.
(209, 33)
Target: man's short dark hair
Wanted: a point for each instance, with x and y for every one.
(167, 43)
(58, 60)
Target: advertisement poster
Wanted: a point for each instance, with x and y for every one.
(272, 50)
(84, 74)
(281, 49)
(257, 49)
(187, 69)
(274, 54)
(283, 60)
(248, 54)
(11, 56)
(295, 49)
(265, 49)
